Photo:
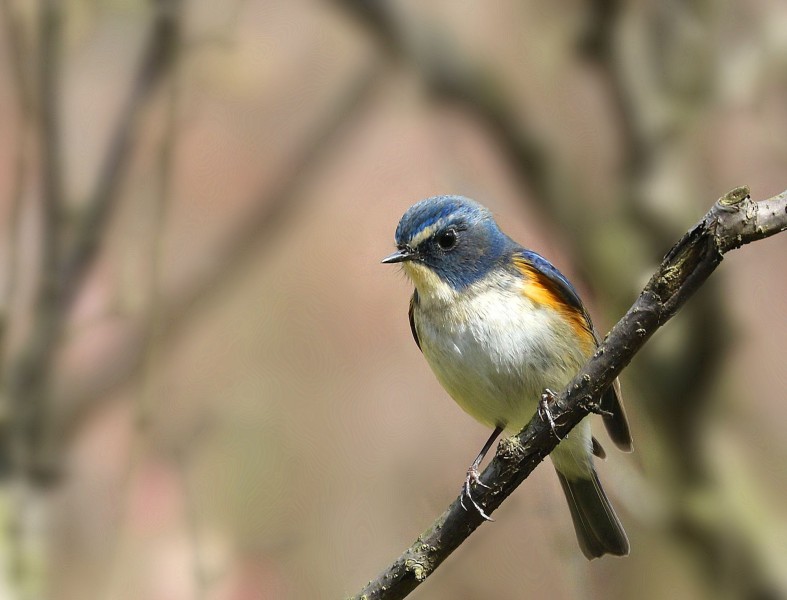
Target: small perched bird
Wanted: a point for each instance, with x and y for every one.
(500, 326)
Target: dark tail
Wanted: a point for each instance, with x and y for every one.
(615, 418)
(598, 529)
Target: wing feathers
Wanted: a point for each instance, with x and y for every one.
(413, 302)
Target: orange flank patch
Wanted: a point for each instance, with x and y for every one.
(542, 290)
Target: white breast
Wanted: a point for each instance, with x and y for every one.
(495, 352)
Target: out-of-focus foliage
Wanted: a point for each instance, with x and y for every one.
(209, 389)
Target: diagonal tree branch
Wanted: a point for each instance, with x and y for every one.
(733, 221)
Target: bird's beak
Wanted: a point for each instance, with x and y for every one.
(401, 255)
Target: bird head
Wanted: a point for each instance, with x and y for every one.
(448, 241)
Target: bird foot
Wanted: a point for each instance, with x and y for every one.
(547, 397)
(594, 408)
(473, 477)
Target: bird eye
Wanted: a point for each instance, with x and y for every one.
(446, 239)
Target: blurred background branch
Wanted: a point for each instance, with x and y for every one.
(268, 213)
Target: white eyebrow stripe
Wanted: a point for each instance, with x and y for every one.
(426, 232)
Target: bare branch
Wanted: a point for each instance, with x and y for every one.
(733, 221)
(51, 168)
(13, 34)
(274, 204)
(450, 74)
(28, 387)
(13, 31)
(158, 57)
(61, 278)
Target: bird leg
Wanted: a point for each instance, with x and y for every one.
(473, 475)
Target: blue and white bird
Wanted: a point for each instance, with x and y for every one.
(500, 326)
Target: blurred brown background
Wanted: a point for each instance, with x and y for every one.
(209, 388)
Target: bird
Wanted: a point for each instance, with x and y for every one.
(501, 327)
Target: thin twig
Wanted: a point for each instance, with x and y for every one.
(34, 435)
(47, 307)
(255, 229)
(733, 221)
(156, 61)
(149, 347)
(28, 393)
(13, 34)
(50, 143)
(17, 52)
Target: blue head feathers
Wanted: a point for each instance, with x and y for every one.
(455, 237)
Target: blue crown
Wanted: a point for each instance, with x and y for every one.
(448, 209)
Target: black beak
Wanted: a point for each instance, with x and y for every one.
(401, 255)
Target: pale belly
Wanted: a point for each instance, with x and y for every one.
(495, 358)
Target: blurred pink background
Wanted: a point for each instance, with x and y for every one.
(236, 406)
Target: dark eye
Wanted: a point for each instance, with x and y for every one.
(446, 239)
